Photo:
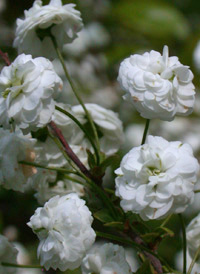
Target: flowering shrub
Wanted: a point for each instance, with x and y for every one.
(65, 152)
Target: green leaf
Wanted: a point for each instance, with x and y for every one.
(109, 161)
(118, 225)
(145, 268)
(103, 216)
(91, 159)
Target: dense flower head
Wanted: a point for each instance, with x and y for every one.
(8, 254)
(157, 178)
(159, 86)
(63, 227)
(108, 125)
(27, 91)
(106, 258)
(14, 147)
(193, 236)
(64, 21)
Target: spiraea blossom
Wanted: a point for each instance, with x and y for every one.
(193, 236)
(14, 147)
(63, 227)
(157, 178)
(8, 254)
(27, 91)
(64, 21)
(105, 258)
(108, 124)
(159, 86)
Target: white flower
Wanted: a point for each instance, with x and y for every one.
(193, 236)
(159, 86)
(14, 148)
(157, 178)
(8, 254)
(105, 259)
(63, 226)
(27, 89)
(64, 21)
(179, 263)
(108, 124)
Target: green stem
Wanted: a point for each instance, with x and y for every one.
(184, 244)
(166, 220)
(62, 170)
(145, 131)
(194, 260)
(75, 92)
(197, 191)
(82, 128)
(20, 265)
(74, 180)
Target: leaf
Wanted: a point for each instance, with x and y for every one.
(145, 268)
(118, 225)
(111, 160)
(91, 159)
(103, 216)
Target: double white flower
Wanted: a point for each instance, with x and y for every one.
(158, 85)
(105, 259)
(64, 21)
(14, 147)
(63, 226)
(27, 91)
(157, 178)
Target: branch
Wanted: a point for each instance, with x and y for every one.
(4, 56)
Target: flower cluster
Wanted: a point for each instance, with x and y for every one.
(64, 21)
(159, 86)
(27, 91)
(157, 178)
(63, 226)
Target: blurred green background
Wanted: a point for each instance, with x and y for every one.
(133, 26)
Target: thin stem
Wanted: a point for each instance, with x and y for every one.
(145, 131)
(184, 244)
(74, 180)
(20, 265)
(58, 169)
(197, 191)
(82, 128)
(75, 91)
(194, 260)
(166, 220)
